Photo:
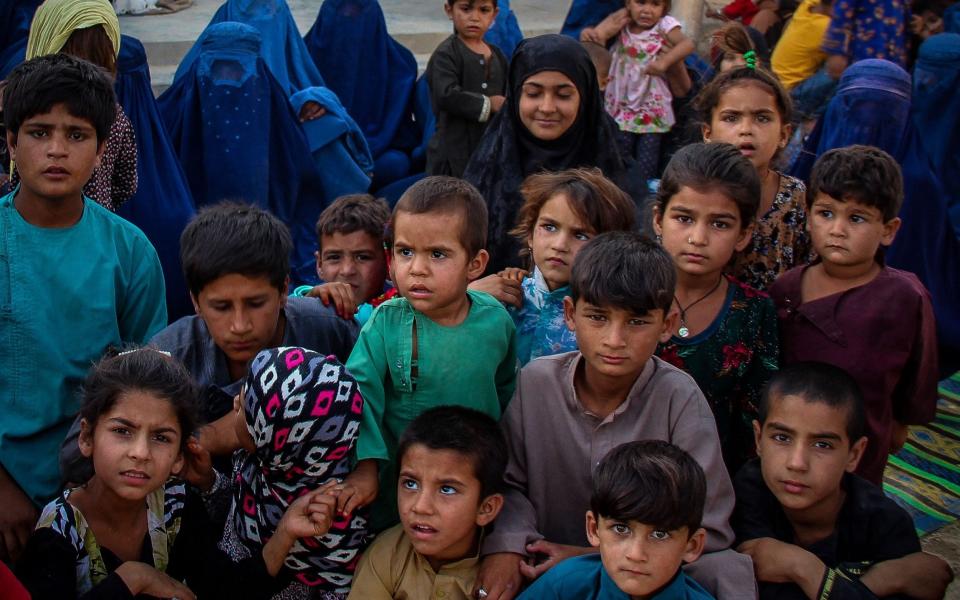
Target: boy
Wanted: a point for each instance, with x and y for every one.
(468, 80)
(570, 409)
(812, 527)
(451, 482)
(849, 310)
(644, 518)
(436, 344)
(351, 259)
(76, 279)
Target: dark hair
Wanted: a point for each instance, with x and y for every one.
(732, 38)
(667, 5)
(447, 195)
(624, 269)
(351, 213)
(706, 167)
(94, 45)
(600, 56)
(228, 238)
(863, 174)
(35, 86)
(596, 200)
(709, 97)
(652, 482)
(141, 370)
(468, 432)
(818, 382)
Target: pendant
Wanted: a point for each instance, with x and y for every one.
(683, 331)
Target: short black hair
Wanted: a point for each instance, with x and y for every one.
(228, 238)
(352, 213)
(863, 174)
(145, 370)
(706, 167)
(651, 482)
(818, 382)
(37, 85)
(468, 432)
(626, 270)
(447, 195)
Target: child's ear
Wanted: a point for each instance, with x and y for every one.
(695, 545)
(593, 529)
(757, 432)
(489, 509)
(101, 148)
(569, 309)
(196, 304)
(669, 323)
(786, 130)
(177, 466)
(448, 9)
(85, 439)
(705, 131)
(856, 453)
(657, 221)
(746, 234)
(284, 292)
(477, 265)
(890, 229)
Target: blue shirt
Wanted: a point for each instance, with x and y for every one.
(584, 578)
(541, 329)
(66, 295)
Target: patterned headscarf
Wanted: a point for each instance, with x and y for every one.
(56, 20)
(303, 412)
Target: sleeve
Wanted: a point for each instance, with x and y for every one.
(838, 584)
(668, 24)
(545, 587)
(144, 310)
(837, 38)
(751, 517)
(47, 568)
(915, 396)
(516, 525)
(506, 375)
(124, 182)
(447, 91)
(374, 578)
(368, 365)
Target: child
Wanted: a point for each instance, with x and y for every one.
(436, 344)
(451, 482)
(850, 310)
(798, 60)
(747, 107)
(638, 96)
(571, 409)
(132, 530)
(468, 81)
(731, 46)
(76, 278)
(812, 527)
(727, 336)
(644, 517)
(601, 59)
(351, 260)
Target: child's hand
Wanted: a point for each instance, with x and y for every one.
(611, 26)
(499, 576)
(496, 103)
(17, 518)
(504, 289)
(310, 111)
(359, 488)
(340, 294)
(779, 562)
(898, 436)
(554, 553)
(311, 514)
(589, 34)
(514, 273)
(197, 467)
(142, 579)
(656, 68)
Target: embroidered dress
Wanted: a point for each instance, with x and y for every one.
(731, 361)
(541, 328)
(638, 102)
(861, 29)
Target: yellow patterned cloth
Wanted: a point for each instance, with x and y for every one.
(55, 20)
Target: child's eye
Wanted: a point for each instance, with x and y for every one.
(823, 445)
(78, 136)
(780, 437)
(826, 214)
(685, 219)
(364, 257)
(448, 490)
(857, 219)
(121, 430)
(549, 227)
(405, 252)
(583, 237)
(162, 438)
(764, 118)
(331, 257)
(409, 484)
(38, 133)
(597, 318)
(721, 225)
(620, 529)
(637, 322)
(729, 118)
(659, 534)
(438, 254)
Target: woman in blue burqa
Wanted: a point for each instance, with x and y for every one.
(872, 107)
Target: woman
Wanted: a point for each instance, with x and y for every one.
(554, 120)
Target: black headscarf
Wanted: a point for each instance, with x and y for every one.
(508, 152)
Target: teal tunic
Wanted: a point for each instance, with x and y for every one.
(66, 295)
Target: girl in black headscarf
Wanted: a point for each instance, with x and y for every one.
(554, 120)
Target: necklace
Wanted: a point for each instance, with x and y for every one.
(684, 331)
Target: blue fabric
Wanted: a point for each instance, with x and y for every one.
(12, 56)
(281, 45)
(936, 112)
(505, 32)
(339, 149)
(541, 327)
(426, 122)
(951, 19)
(810, 96)
(15, 17)
(162, 205)
(237, 137)
(587, 13)
(371, 73)
(872, 106)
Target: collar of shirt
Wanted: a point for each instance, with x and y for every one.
(573, 401)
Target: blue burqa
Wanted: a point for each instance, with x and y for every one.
(237, 137)
(872, 107)
(505, 32)
(281, 47)
(162, 205)
(587, 13)
(15, 17)
(12, 56)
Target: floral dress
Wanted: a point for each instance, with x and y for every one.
(638, 102)
(731, 361)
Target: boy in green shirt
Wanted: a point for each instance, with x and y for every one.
(438, 344)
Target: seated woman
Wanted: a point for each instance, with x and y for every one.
(553, 120)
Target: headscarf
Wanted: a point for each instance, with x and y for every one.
(303, 412)
(56, 20)
(163, 205)
(281, 46)
(508, 152)
(872, 107)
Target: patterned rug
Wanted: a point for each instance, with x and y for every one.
(924, 477)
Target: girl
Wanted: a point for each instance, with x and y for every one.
(747, 107)
(638, 96)
(726, 336)
(132, 529)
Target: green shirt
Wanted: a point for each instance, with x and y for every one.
(472, 364)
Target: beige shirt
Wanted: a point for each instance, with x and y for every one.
(392, 570)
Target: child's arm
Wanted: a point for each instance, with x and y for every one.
(918, 575)
(602, 32)
(449, 96)
(681, 47)
(915, 396)
(338, 293)
(504, 286)
(778, 562)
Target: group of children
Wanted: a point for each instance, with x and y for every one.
(704, 412)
